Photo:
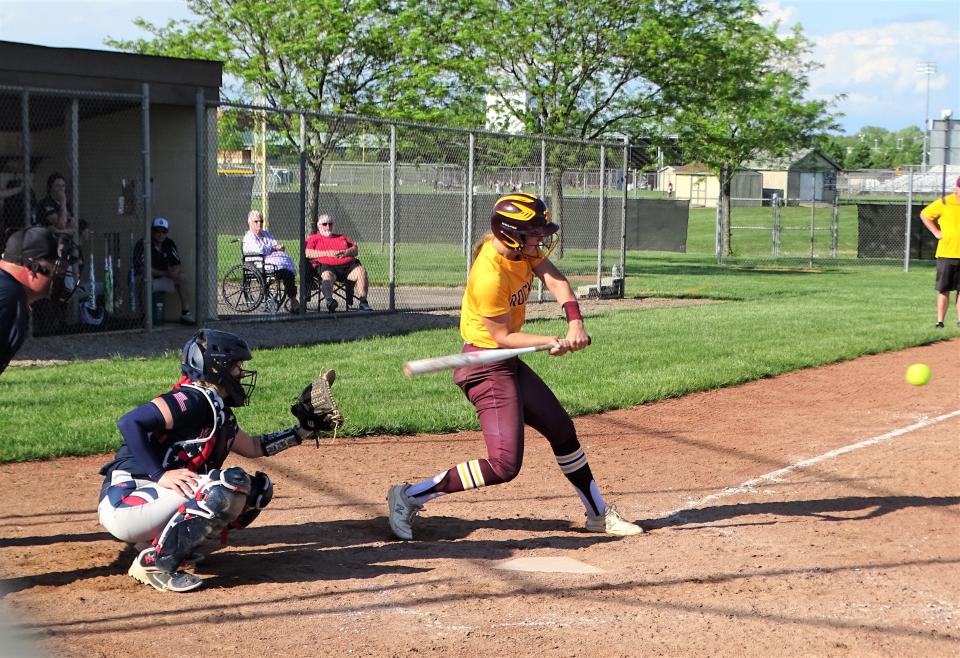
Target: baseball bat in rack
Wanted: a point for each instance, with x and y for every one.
(452, 361)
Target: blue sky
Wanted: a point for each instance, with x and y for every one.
(869, 49)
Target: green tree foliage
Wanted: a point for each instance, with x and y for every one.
(757, 110)
(369, 57)
(596, 68)
(875, 148)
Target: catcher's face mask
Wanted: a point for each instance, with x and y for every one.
(239, 384)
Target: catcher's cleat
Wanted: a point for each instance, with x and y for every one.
(401, 510)
(144, 570)
(612, 523)
(189, 561)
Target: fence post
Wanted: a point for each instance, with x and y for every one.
(468, 237)
(305, 273)
(25, 148)
(601, 205)
(835, 229)
(718, 239)
(907, 220)
(147, 208)
(776, 227)
(543, 169)
(623, 214)
(813, 221)
(204, 290)
(392, 280)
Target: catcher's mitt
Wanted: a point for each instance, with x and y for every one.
(315, 408)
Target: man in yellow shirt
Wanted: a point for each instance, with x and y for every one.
(942, 217)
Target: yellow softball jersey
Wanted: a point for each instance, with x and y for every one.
(946, 210)
(496, 285)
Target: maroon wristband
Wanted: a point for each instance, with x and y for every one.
(572, 311)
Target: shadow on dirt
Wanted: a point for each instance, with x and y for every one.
(828, 509)
(355, 549)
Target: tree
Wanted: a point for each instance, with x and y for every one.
(367, 57)
(758, 110)
(594, 68)
(875, 148)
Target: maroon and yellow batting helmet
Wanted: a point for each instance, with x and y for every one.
(519, 215)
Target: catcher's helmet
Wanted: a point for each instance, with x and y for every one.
(519, 215)
(209, 356)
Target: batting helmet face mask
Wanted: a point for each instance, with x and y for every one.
(519, 216)
(215, 357)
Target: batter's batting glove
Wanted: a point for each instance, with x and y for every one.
(315, 408)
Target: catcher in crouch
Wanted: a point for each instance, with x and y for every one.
(509, 394)
(167, 490)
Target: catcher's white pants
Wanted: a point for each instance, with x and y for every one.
(144, 511)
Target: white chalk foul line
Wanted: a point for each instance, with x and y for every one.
(778, 475)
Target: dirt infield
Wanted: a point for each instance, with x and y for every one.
(809, 514)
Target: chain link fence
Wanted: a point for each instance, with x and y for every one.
(72, 161)
(868, 217)
(414, 198)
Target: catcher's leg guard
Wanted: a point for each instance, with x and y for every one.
(261, 493)
(218, 502)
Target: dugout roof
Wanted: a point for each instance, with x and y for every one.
(172, 81)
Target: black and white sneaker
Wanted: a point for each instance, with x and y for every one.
(144, 570)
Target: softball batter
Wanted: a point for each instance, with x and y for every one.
(509, 394)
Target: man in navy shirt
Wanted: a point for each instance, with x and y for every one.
(33, 262)
(165, 264)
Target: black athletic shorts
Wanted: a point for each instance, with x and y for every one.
(948, 274)
(340, 271)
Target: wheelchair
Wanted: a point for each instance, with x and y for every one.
(252, 284)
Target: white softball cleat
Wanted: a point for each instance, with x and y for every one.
(611, 523)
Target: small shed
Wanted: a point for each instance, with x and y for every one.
(697, 183)
(804, 176)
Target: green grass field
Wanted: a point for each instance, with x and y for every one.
(770, 322)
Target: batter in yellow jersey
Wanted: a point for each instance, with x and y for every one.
(509, 394)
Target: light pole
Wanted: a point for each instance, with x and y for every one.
(928, 68)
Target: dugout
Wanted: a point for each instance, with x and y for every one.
(108, 122)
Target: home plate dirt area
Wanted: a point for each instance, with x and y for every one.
(814, 513)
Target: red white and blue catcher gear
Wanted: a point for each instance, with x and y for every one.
(132, 506)
(203, 431)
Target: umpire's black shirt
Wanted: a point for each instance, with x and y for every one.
(14, 317)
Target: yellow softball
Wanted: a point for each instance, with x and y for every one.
(918, 374)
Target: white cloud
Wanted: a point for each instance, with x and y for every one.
(885, 56)
(774, 11)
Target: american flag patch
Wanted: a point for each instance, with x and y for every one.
(181, 399)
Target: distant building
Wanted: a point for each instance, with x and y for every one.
(799, 177)
(499, 117)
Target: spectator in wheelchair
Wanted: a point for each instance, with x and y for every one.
(258, 242)
(335, 259)
(168, 276)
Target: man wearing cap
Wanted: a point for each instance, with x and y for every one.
(335, 259)
(166, 266)
(942, 218)
(30, 266)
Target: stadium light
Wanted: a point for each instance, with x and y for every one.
(927, 68)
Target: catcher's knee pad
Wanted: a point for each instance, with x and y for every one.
(261, 493)
(218, 502)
